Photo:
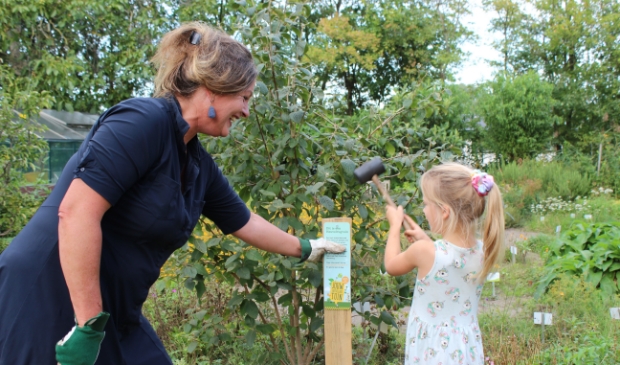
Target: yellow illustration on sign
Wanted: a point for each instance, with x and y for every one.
(336, 291)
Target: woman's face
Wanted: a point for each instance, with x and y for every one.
(228, 108)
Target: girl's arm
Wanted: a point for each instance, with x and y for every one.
(419, 254)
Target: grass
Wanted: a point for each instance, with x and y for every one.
(582, 330)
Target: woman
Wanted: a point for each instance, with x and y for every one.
(129, 197)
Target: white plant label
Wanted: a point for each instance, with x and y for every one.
(587, 216)
(493, 277)
(615, 312)
(542, 317)
(558, 229)
(513, 250)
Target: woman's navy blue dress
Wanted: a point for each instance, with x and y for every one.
(136, 159)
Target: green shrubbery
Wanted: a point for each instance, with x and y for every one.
(4, 242)
(530, 183)
(588, 250)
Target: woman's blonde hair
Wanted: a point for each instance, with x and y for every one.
(216, 60)
(450, 184)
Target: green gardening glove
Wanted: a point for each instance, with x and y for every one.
(81, 345)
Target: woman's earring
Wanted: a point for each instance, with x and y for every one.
(211, 112)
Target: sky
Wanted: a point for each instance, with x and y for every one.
(475, 68)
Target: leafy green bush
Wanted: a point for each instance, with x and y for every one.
(531, 182)
(4, 242)
(584, 156)
(588, 250)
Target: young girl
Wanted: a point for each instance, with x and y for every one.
(443, 324)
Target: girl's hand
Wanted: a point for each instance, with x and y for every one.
(415, 233)
(394, 215)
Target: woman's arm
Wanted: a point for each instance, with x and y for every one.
(79, 245)
(261, 234)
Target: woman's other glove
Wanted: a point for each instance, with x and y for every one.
(81, 345)
(313, 250)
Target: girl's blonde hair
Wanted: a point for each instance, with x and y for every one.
(216, 60)
(450, 184)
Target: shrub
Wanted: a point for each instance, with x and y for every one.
(531, 183)
(588, 250)
(4, 242)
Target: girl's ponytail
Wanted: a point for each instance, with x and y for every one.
(492, 230)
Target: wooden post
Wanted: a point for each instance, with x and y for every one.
(337, 293)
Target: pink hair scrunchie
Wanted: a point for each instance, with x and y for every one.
(482, 182)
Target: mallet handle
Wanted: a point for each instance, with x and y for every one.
(386, 197)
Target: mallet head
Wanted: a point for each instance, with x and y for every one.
(365, 172)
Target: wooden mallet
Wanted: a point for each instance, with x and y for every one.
(371, 171)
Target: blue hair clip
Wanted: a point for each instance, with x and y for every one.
(194, 38)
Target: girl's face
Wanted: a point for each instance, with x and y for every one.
(434, 215)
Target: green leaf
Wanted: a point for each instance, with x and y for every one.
(213, 242)
(243, 273)
(314, 189)
(253, 255)
(267, 193)
(248, 307)
(315, 324)
(348, 166)
(235, 300)
(286, 299)
(363, 211)
(189, 271)
(192, 346)
(265, 328)
(200, 288)
(327, 202)
(200, 246)
(315, 278)
(308, 311)
(386, 317)
(297, 116)
(250, 337)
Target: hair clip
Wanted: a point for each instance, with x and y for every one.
(194, 38)
(482, 182)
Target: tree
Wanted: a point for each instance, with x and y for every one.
(20, 148)
(573, 45)
(293, 162)
(511, 22)
(89, 54)
(518, 114)
(371, 49)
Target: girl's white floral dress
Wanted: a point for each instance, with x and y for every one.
(443, 324)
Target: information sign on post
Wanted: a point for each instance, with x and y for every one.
(337, 293)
